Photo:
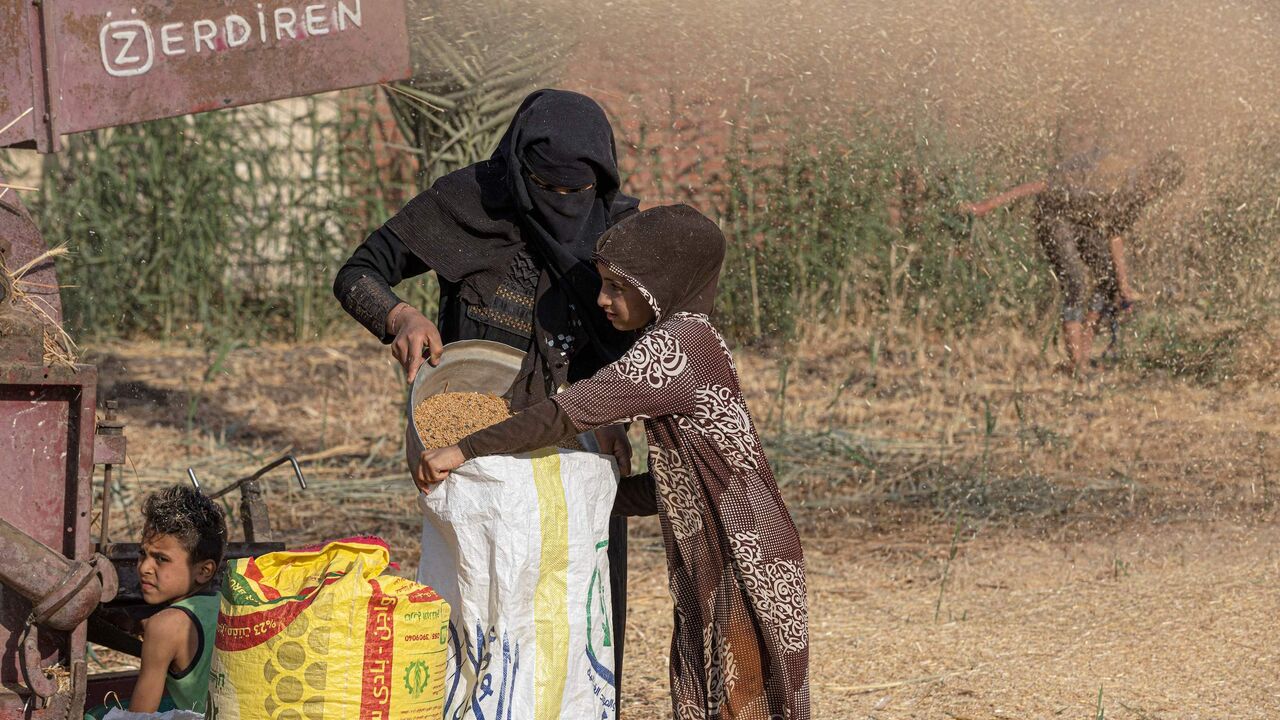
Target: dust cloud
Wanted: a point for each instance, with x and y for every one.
(1197, 75)
(1193, 73)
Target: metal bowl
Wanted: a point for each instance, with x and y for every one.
(480, 366)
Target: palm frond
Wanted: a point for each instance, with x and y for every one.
(469, 83)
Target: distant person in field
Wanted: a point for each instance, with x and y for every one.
(510, 239)
(1080, 221)
(740, 647)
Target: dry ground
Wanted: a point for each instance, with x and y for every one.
(1166, 622)
(1113, 536)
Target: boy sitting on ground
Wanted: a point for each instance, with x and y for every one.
(184, 534)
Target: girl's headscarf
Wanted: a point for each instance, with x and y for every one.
(672, 254)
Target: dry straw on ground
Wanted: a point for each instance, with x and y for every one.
(20, 313)
(1156, 591)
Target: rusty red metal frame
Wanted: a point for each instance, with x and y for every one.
(46, 464)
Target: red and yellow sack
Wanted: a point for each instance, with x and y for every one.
(319, 633)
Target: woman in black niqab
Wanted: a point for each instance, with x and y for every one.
(506, 236)
(511, 239)
(562, 169)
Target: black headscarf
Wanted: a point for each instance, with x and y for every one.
(471, 224)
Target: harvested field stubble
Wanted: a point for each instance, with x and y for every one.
(1118, 532)
(442, 420)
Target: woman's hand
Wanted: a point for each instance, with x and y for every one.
(435, 465)
(613, 441)
(413, 331)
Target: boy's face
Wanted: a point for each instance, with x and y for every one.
(622, 303)
(166, 571)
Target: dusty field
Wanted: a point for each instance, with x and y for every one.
(1114, 536)
(1166, 622)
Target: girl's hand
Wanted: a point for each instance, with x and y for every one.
(435, 465)
(613, 441)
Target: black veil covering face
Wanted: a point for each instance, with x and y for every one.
(550, 188)
(562, 169)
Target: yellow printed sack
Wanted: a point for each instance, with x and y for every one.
(319, 633)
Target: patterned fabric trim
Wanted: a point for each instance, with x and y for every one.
(653, 303)
(511, 307)
(506, 321)
(369, 300)
(510, 295)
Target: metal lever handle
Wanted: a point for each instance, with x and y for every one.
(253, 509)
(297, 472)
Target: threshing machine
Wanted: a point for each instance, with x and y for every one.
(68, 66)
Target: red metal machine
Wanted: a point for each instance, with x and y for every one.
(77, 65)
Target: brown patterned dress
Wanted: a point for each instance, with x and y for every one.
(741, 644)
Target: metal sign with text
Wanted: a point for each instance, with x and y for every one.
(74, 65)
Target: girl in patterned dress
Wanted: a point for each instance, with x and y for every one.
(740, 647)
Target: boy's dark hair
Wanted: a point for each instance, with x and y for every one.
(195, 520)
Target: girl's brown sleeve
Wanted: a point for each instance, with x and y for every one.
(541, 425)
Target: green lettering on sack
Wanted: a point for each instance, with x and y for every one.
(595, 602)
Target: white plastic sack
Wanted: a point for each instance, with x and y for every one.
(517, 547)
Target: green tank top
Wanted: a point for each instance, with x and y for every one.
(190, 688)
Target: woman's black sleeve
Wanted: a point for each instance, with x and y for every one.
(637, 496)
(363, 284)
